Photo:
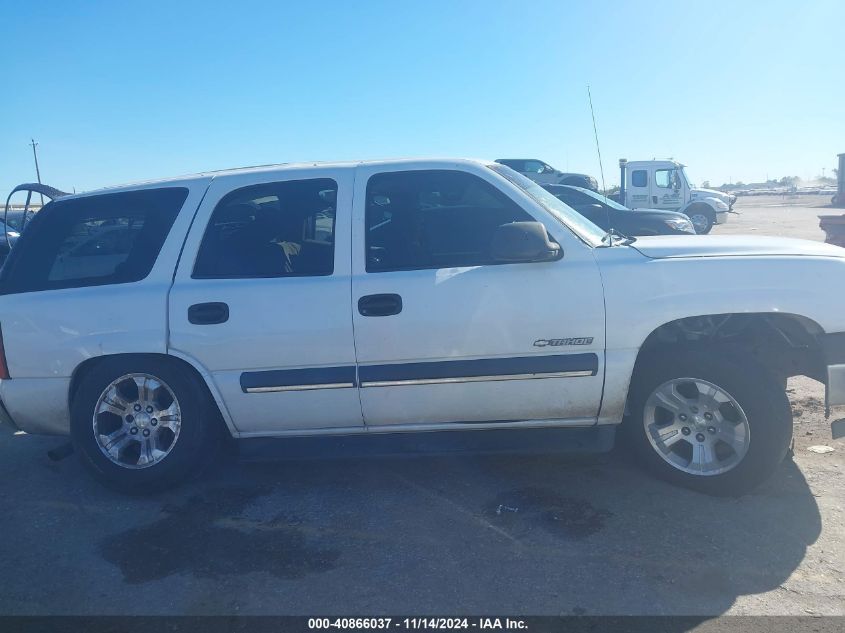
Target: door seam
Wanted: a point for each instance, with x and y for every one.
(351, 293)
(167, 345)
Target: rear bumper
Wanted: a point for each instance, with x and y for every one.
(835, 392)
(833, 347)
(37, 405)
(6, 419)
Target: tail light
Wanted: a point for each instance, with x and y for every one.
(4, 369)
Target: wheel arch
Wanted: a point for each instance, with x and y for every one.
(176, 359)
(702, 205)
(803, 356)
(788, 343)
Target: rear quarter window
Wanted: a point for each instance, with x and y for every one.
(96, 240)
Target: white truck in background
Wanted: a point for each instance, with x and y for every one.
(664, 184)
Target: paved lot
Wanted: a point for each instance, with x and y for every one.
(533, 534)
(782, 216)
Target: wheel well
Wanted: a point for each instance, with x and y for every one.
(786, 344)
(88, 364)
(702, 207)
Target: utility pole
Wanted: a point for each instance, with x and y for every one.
(37, 171)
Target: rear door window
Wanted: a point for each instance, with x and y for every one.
(95, 240)
(277, 229)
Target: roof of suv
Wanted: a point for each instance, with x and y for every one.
(281, 167)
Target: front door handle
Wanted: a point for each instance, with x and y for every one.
(654, 199)
(208, 313)
(380, 305)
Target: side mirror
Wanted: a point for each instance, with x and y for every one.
(521, 242)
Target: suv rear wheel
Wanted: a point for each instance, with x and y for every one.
(712, 422)
(142, 424)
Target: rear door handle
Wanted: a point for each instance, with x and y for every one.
(380, 305)
(654, 199)
(208, 313)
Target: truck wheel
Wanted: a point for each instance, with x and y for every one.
(716, 424)
(701, 218)
(142, 425)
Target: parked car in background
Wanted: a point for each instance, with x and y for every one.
(8, 237)
(16, 219)
(150, 321)
(607, 214)
(545, 174)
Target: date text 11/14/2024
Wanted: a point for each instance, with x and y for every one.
(417, 623)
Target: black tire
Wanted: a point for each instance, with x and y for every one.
(200, 435)
(707, 217)
(758, 393)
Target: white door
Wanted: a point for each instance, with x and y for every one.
(261, 299)
(667, 189)
(444, 335)
(638, 195)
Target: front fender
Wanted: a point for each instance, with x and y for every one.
(642, 294)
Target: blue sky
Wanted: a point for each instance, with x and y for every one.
(138, 90)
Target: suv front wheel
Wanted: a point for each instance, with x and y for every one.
(142, 424)
(709, 421)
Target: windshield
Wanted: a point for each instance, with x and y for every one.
(600, 198)
(689, 180)
(573, 220)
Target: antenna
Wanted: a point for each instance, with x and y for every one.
(610, 231)
(596, 133)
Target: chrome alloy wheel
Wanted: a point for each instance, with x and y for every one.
(700, 222)
(137, 421)
(696, 426)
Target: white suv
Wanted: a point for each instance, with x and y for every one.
(150, 320)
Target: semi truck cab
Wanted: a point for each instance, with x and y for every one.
(664, 184)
